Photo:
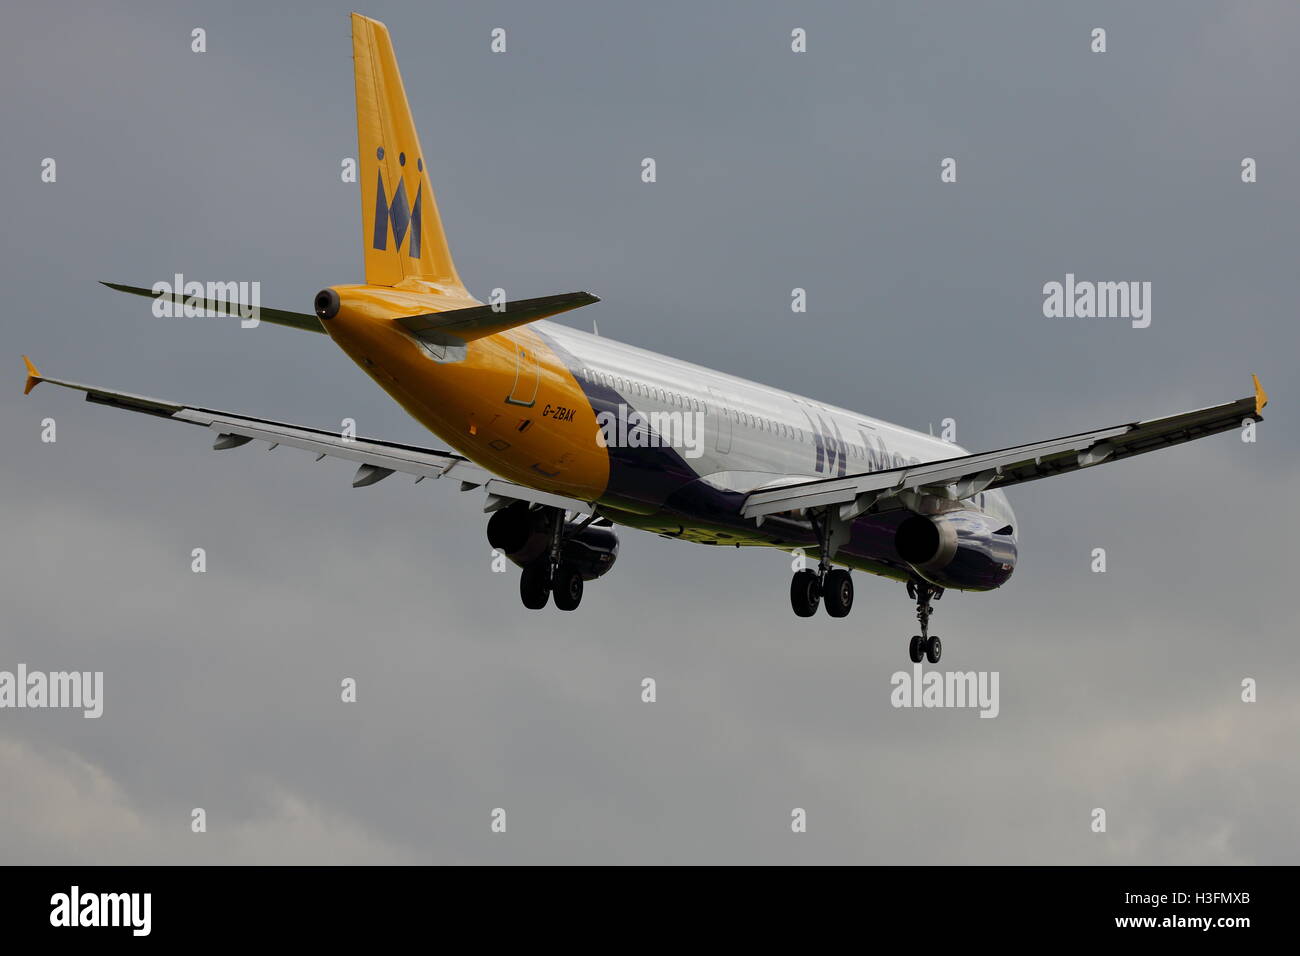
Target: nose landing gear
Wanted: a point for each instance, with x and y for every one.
(925, 644)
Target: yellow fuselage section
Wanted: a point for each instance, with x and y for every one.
(509, 404)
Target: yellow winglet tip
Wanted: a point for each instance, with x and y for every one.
(33, 376)
(1261, 396)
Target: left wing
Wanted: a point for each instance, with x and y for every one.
(376, 459)
(958, 478)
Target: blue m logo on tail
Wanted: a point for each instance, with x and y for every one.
(400, 214)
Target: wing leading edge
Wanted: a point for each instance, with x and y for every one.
(963, 477)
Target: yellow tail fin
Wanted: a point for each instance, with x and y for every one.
(400, 226)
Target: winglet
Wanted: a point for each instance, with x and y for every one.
(1261, 396)
(33, 376)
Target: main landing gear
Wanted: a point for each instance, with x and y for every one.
(925, 644)
(539, 582)
(808, 587)
(548, 576)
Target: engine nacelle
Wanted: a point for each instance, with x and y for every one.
(957, 549)
(593, 550)
(523, 535)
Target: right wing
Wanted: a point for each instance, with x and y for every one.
(376, 459)
(964, 477)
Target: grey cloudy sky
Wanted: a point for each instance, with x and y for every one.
(1118, 690)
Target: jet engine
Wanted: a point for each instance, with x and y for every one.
(523, 534)
(963, 549)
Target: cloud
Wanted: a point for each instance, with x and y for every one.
(72, 812)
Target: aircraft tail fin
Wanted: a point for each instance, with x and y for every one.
(400, 226)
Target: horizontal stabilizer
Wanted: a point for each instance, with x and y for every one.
(464, 325)
(305, 321)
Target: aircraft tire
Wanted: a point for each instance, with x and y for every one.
(933, 649)
(916, 650)
(568, 588)
(805, 593)
(535, 585)
(838, 593)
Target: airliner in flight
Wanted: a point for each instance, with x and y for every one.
(570, 434)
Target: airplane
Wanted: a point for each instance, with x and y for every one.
(571, 434)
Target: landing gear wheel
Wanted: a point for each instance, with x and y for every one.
(535, 585)
(839, 593)
(568, 588)
(805, 593)
(916, 650)
(933, 649)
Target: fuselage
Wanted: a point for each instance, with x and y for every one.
(658, 443)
